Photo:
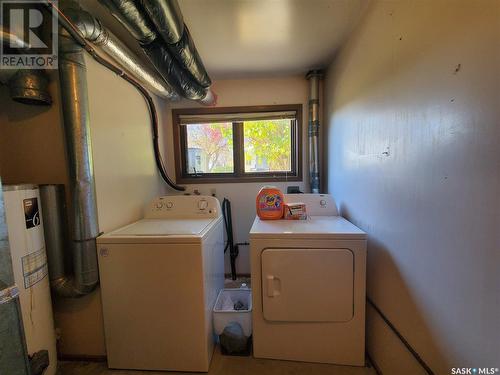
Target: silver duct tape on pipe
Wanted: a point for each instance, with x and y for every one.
(167, 17)
(151, 80)
(92, 30)
(314, 77)
(129, 14)
(168, 20)
(178, 63)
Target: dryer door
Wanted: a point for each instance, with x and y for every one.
(307, 285)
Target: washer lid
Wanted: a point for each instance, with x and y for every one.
(163, 227)
(161, 231)
(314, 227)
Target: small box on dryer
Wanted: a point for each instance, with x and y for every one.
(295, 211)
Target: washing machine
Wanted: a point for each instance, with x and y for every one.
(160, 277)
(308, 282)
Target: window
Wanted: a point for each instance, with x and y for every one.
(238, 144)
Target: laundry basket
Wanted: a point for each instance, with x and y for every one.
(232, 316)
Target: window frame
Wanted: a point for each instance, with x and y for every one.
(239, 174)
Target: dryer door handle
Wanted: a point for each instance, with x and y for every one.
(271, 282)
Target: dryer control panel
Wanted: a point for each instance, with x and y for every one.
(183, 206)
(316, 204)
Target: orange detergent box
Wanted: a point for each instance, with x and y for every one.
(295, 211)
(269, 203)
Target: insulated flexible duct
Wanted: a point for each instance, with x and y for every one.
(93, 30)
(81, 41)
(167, 18)
(162, 34)
(167, 66)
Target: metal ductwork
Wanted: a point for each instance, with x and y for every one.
(160, 30)
(85, 271)
(83, 209)
(314, 77)
(92, 30)
(30, 87)
(168, 20)
(27, 86)
(71, 32)
(78, 27)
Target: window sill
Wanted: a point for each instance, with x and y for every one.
(234, 179)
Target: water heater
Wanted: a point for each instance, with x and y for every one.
(29, 260)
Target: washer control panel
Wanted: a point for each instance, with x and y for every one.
(186, 206)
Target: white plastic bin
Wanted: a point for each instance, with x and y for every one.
(224, 312)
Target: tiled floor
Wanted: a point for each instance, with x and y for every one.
(228, 365)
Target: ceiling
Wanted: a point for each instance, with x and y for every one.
(258, 38)
(242, 38)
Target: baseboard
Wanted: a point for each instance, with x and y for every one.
(82, 358)
(386, 351)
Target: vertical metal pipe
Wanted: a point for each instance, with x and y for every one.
(314, 77)
(83, 207)
(75, 108)
(52, 199)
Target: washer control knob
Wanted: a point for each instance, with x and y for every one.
(322, 202)
(202, 204)
(169, 205)
(159, 205)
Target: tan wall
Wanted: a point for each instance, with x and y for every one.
(125, 173)
(243, 92)
(32, 150)
(31, 143)
(413, 158)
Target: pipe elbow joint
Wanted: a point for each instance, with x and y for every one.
(67, 287)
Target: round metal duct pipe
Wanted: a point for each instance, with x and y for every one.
(27, 86)
(314, 77)
(30, 87)
(92, 30)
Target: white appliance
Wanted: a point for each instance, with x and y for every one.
(29, 260)
(160, 277)
(308, 282)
